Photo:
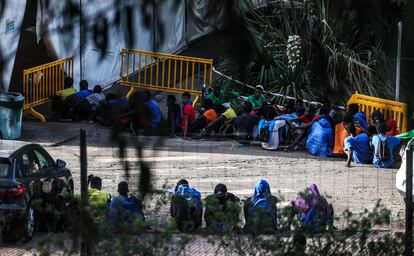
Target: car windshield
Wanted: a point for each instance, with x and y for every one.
(5, 169)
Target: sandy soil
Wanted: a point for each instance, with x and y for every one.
(206, 163)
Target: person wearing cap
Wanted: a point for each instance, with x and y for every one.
(98, 200)
(124, 208)
(384, 147)
(257, 98)
(186, 207)
(222, 209)
(218, 96)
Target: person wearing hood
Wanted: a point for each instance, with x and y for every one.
(125, 208)
(359, 116)
(186, 207)
(222, 210)
(260, 210)
(312, 210)
(320, 140)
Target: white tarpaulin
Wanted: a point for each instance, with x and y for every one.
(202, 16)
(10, 24)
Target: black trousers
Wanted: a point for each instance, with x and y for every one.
(198, 125)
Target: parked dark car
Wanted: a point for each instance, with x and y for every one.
(24, 172)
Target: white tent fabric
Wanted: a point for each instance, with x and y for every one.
(182, 21)
(10, 24)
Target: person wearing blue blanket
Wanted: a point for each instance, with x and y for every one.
(359, 117)
(124, 208)
(320, 140)
(156, 114)
(260, 210)
(384, 147)
(186, 207)
(357, 146)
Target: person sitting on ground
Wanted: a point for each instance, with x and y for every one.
(257, 98)
(218, 96)
(245, 123)
(83, 90)
(359, 117)
(260, 211)
(299, 107)
(320, 140)
(300, 127)
(203, 120)
(188, 114)
(392, 129)
(312, 210)
(186, 207)
(226, 116)
(384, 147)
(98, 199)
(174, 116)
(124, 208)
(376, 118)
(222, 210)
(285, 134)
(156, 113)
(268, 129)
(357, 146)
(68, 108)
(60, 97)
(341, 134)
(85, 108)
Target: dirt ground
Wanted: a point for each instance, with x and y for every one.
(205, 163)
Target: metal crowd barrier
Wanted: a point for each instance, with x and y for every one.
(164, 72)
(389, 108)
(42, 82)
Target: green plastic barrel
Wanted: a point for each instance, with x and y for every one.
(11, 111)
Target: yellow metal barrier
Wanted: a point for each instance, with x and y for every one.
(389, 108)
(165, 72)
(41, 82)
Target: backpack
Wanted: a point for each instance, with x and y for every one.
(383, 151)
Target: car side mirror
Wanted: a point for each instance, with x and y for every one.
(60, 163)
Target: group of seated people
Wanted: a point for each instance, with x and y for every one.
(222, 208)
(321, 130)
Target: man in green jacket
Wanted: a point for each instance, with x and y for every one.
(218, 96)
(257, 98)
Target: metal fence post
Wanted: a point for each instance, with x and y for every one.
(84, 188)
(409, 203)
